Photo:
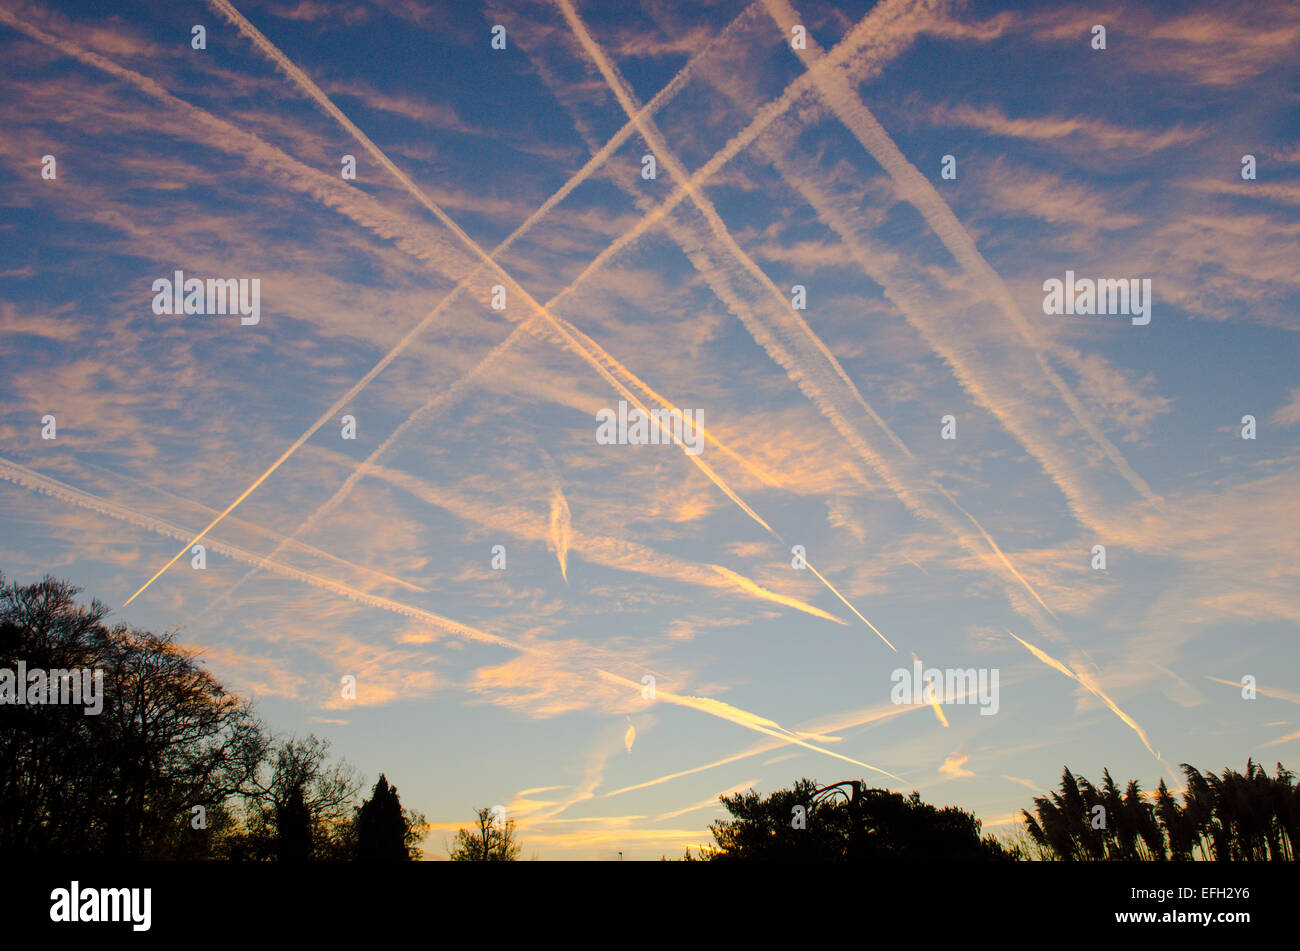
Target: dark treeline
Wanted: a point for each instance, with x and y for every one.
(173, 766)
(1248, 816)
(873, 825)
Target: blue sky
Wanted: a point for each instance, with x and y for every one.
(775, 166)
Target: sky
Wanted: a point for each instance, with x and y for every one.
(840, 257)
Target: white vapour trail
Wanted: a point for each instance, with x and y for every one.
(749, 721)
(282, 541)
(796, 93)
(355, 205)
(435, 404)
(36, 482)
(323, 188)
(752, 587)
(318, 96)
(599, 157)
(1290, 696)
(1090, 685)
(717, 226)
(33, 481)
(331, 191)
(306, 180)
(988, 384)
(789, 332)
(721, 233)
(847, 721)
(560, 527)
(615, 553)
(1059, 471)
(877, 264)
(778, 328)
(149, 86)
(840, 96)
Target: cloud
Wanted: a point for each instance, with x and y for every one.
(1070, 132)
(1289, 413)
(954, 766)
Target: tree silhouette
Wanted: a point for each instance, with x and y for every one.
(125, 783)
(1236, 816)
(385, 832)
(293, 834)
(298, 770)
(492, 841)
(873, 825)
(120, 784)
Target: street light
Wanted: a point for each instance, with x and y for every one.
(830, 792)
(853, 796)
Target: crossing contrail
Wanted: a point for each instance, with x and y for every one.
(321, 99)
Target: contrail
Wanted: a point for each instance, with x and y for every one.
(1283, 739)
(283, 541)
(600, 549)
(797, 90)
(835, 591)
(313, 182)
(719, 228)
(801, 88)
(755, 589)
(226, 131)
(749, 721)
(709, 803)
(599, 157)
(318, 96)
(1288, 695)
(798, 369)
(934, 701)
(238, 142)
(315, 93)
(842, 99)
(882, 713)
(799, 329)
(443, 400)
(922, 570)
(34, 481)
(720, 231)
(153, 89)
(1091, 685)
(330, 191)
(435, 404)
(830, 214)
(998, 551)
(985, 383)
(817, 391)
(561, 529)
